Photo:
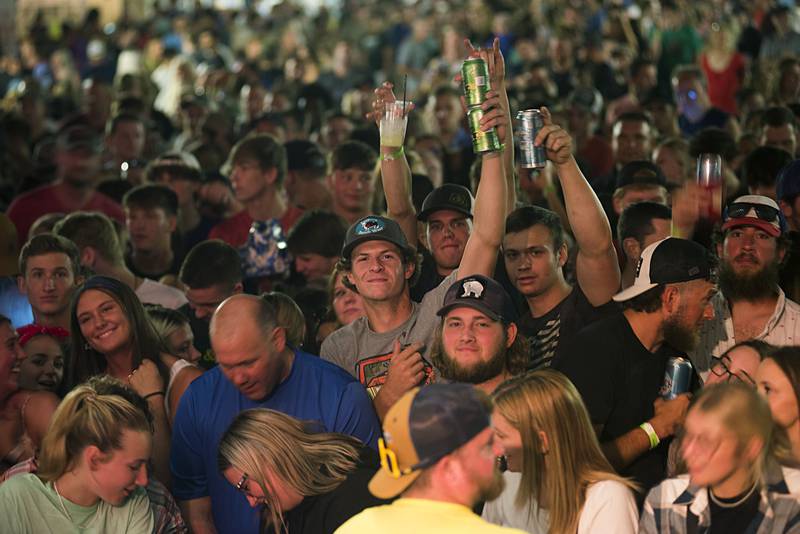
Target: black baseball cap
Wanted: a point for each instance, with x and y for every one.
(669, 261)
(424, 426)
(447, 197)
(482, 294)
(373, 228)
(304, 155)
(641, 172)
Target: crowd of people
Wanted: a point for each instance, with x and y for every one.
(233, 300)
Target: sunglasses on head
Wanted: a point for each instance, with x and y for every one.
(741, 209)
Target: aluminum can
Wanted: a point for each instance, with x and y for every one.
(677, 377)
(475, 81)
(530, 122)
(481, 141)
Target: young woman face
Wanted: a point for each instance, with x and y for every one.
(508, 442)
(114, 476)
(285, 495)
(776, 387)
(43, 366)
(181, 343)
(347, 304)
(711, 451)
(103, 322)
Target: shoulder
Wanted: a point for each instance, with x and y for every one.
(665, 493)
(609, 492)
(24, 485)
(332, 375)
(341, 338)
(29, 197)
(791, 477)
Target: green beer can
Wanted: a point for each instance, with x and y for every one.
(481, 141)
(475, 80)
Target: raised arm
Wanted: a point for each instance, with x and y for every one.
(395, 172)
(597, 268)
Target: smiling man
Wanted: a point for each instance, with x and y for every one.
(50, 273)
(257, 369)
(751, 246)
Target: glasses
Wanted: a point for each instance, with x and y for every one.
(721, 369)
(741, 209)
(241, 486)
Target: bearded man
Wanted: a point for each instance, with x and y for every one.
(477, 341)
(751, 245)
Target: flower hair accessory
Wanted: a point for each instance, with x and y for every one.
(29, 331)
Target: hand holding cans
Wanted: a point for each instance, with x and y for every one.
(476, 85)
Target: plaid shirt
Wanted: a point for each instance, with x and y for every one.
(669, 504)
(167, 517)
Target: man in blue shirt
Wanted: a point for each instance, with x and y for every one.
(257, 369)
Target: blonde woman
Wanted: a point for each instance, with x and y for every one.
(305, 482)
(558, 479)
(734, 482)
(92, 469)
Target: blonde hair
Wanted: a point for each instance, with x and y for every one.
(546, 402)
(261, 442)
(746, 414)
(95, 413)
(289, 316)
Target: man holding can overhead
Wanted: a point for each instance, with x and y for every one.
(618, 363)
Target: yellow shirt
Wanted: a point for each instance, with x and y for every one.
(420, 516)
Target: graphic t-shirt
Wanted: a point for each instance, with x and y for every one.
(366, 354)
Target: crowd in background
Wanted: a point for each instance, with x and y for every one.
(217, 283)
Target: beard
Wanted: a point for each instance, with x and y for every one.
(492, 489)
(748, 286)
(477, 373)
(678, 335)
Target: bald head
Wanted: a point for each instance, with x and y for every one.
(240, 310)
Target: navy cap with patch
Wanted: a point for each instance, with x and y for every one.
(373, 228)
(480, 293)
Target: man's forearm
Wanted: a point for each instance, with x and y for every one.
(508, 154)
(198, 516)
(622, 451)
(586, 216)
(396, 177)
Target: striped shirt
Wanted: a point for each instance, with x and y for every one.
(717, 336)
(669, 505)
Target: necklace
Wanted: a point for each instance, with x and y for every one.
(723, 504)
(66, 512)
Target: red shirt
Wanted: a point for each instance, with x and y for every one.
(31, 205)
(234, 230)
(723, 85)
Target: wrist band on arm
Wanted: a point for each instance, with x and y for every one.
(391, 156)
(153, 394)
(651, 434)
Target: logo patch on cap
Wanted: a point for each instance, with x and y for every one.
(369, 226)
(472, 289)
(459, 200)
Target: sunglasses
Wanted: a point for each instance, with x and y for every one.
(741, 209)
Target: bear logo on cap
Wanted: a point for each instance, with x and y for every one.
(369, 226)
(472, 289)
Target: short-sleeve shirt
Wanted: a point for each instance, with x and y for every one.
(565, 320)
(315, 390)
(29, 505)
(619, 379)
(234, 229)
(365, 354)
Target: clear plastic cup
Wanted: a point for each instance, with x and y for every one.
(393, 123)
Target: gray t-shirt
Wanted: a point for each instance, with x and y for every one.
(365, 354)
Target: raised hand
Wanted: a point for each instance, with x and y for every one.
(146, 379)
(494, 61)
(383, 94)
(556, 140)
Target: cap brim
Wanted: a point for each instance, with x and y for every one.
(633, 291)
(348, 249)
(423, 215)
(769, 228)
(475, 305)
(385, 486)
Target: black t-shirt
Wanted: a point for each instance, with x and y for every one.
(619, 380)
(790, 270)
(736, 520)
(323, 514)
(564, 321)
(429, 277)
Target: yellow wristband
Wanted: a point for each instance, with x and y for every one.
(651, 434)
(391, 156)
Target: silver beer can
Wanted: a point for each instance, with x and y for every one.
(530, 122)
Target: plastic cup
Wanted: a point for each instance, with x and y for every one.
(710, 180)
(393, 123)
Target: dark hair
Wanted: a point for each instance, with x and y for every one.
(762, 348)
(353, 155)
(777, 116)
(151, 196)
(715, 141)
(528, 216)
(647, 302)
(265, 150)
(634, 116)
(636, 220)
(762, 165)
(106, 385)
(318, 232)
(123, 116)
(211, 263)
(42, 244)
(147, 345)
(407, 255)
(788, 359)
(4, 319)
(92, 229)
